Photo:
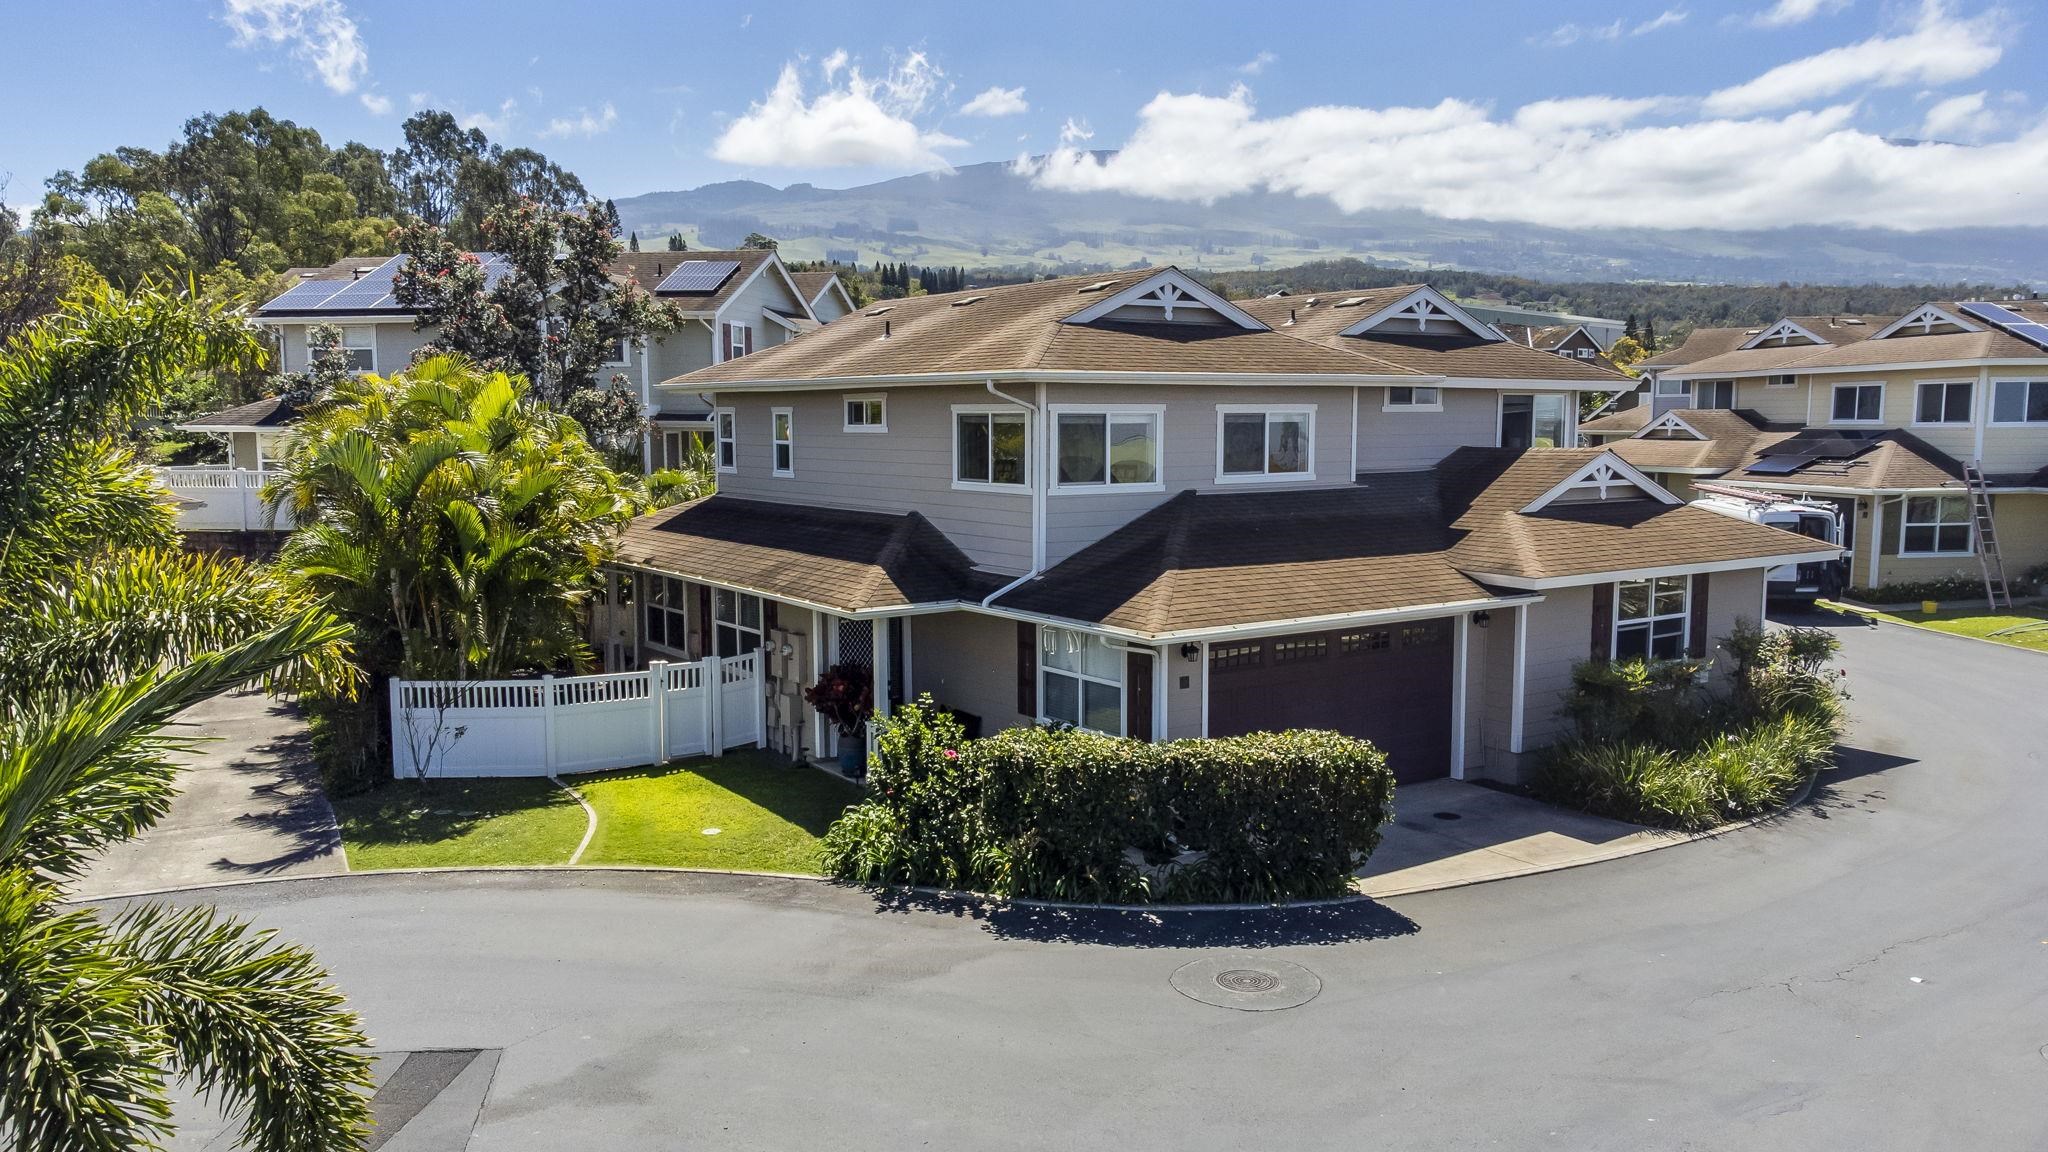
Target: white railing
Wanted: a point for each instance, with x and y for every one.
(575, 723)
(220, 499)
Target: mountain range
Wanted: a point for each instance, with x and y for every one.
(986, 215)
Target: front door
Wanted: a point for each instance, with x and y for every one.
(1138, 695)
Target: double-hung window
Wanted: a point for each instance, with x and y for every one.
(1099, 449)
(1858, 404)
(782, 432)
(2019, 402)
(867, 413)
(1082, 680)
(1943, 402)
(1255, 443)
(359, 345)
(989, 447)
(667, 615)
(739, 340)
(620, 354)
(1936, 526)
(1406, 399)
(735, 623)
(725, 425)
(1651, 618)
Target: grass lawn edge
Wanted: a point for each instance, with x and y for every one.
(1882, 616)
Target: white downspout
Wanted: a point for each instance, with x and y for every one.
(1033, 447)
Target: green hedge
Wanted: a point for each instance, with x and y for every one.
(1946, 588)
(1066, 814)
(1651, 747)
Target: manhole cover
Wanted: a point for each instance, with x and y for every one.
(1246, 983)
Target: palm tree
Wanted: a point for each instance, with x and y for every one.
(106, 633)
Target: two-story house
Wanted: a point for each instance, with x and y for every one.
(826, 293)
(731, 304)
(1914, 425)
(1126, 503)
(1570, 340)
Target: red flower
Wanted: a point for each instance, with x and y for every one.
(952, 755)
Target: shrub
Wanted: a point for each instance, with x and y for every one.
(1945, 588)
(1635, 700)
(1067, 814)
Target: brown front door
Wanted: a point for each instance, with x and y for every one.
(1138, 695)
(1389, 684)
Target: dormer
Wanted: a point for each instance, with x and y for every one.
(1926, 320)
(1784, 334)
(1423, 312)
(1670, 426)
(1604, 478)
(1166, 297)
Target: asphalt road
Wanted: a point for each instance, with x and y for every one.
(1869, 972)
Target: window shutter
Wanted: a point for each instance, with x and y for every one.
(748, 333)
(1027, 669)
(1603, 623)
(1696, 641)
(725, 341)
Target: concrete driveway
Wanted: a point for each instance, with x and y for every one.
(249, 804)
(1869, 972)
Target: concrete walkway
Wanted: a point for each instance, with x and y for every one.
(249, 805)
(1446, 833)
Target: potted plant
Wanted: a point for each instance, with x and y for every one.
(845, 696)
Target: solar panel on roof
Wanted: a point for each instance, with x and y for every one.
(1779, 465)
(698, 276)
(308, 295)
(367, 291)
(2032, 331)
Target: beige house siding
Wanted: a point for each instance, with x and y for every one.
(1732, 598)
(1560, 637)
(1495, 697)
(1184, 701)
(2021, 520)
(1478, 642)
(968, 661)
(1774, 401)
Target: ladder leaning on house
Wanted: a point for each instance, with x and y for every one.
(1996, 591)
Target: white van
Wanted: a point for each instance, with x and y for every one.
(1819, 519)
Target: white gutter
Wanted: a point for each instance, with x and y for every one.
(1539, 583)
(2021, 364)
(1040, 375)
(1033, 439)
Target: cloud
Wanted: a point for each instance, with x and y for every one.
(318, 33)
(1568, 34)
(1567, 163)
(997, 101)
(585, 123)
(378, 103)
(1257, 64)
(855, 121)
(1965, 117)
(1786, 13)
(491, 125)
(1939, 49)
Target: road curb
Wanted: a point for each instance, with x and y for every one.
(1871, 615)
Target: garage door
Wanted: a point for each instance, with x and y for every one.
(1390, 685)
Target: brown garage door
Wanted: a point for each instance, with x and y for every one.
(1390, 685)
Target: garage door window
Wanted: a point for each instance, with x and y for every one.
(1651, 617)
(1082, 680)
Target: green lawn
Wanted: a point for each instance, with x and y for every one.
(440, 823)
(768, 814)
(1968, 622)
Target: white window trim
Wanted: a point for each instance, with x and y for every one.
(850, 398)
(1969, 521)
(1270, 411)
(1667, 386)
(1969, 418)
(1123, 698)
(348, 330)
(1836, 387)
(1387, 399)
(739, 600)
(788, 417)
(625, 361)
(1992, 413)
(670, 612)
(1157, 412)
(1684, 613)
(725, 430)
(953, 434)
(734, 331)
(1782, 380)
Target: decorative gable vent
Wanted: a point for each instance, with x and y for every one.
(1168, 297)
(1670, 426)
(1423, 312)
(1604, 477)
(1926, 320)
(1783, 334)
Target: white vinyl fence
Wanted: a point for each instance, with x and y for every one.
(222, 499)
(575, 723)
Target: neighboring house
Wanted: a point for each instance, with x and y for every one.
(1603, 330)
(1126, 503)
(732, 304)
(1885, 416)
(826, 293)
(1569, 340)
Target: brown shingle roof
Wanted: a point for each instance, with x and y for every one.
(647, 269)
(1899, 460)
(1990, 344)
(844, 560)
(271, 412)
(1485, 488)
(1732, 436)
(1627, 420)
(1018, 327)
(812, 283)
(1324, 320)
(1213, 560)
(1699, 344)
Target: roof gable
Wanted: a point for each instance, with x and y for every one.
(1423, 312)
(1926, 320)
(1600, 476)
(1670, 424)
(1167, 296)
(1782, 334)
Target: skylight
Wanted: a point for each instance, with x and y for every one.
(1098, 286)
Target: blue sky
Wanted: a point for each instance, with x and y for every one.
(1660, 115)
